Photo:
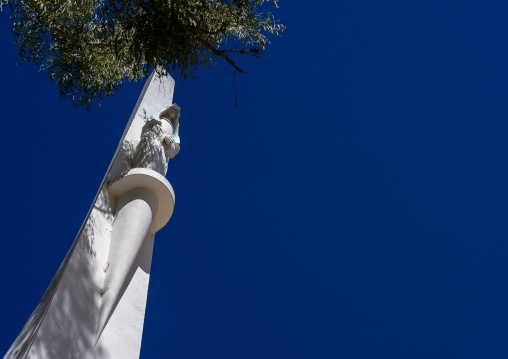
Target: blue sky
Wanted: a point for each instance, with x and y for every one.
(353, 205)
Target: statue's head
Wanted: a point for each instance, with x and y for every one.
(171, 114)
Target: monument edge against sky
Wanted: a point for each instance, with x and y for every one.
(95, 304)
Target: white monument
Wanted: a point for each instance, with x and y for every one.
(95, 305)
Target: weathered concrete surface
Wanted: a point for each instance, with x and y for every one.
(64, 323)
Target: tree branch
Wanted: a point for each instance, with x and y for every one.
(218, 53)
(213, 50)
(254, 51)
(55, 30)
(58, 30)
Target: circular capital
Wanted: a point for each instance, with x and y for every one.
(154, 181)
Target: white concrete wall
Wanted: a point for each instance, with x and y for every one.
(63, 325)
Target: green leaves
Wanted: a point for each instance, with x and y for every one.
(89, 47)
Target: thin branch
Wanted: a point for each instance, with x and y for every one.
(254, 51)
(213, 50)
(58, 30)
(55, 30)
(218, 53)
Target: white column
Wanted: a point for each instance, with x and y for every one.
(144, 204)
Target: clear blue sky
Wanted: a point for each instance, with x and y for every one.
(353, 205)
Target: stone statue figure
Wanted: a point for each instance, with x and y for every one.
(159, 141)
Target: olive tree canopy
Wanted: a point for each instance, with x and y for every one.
(89, 47)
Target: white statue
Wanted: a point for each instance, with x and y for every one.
(159, 141)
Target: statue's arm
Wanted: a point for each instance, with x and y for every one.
(175, 149)
(172, 146)
(152, 125)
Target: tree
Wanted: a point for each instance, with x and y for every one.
(89, 47)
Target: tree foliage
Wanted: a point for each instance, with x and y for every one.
(89, 47)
